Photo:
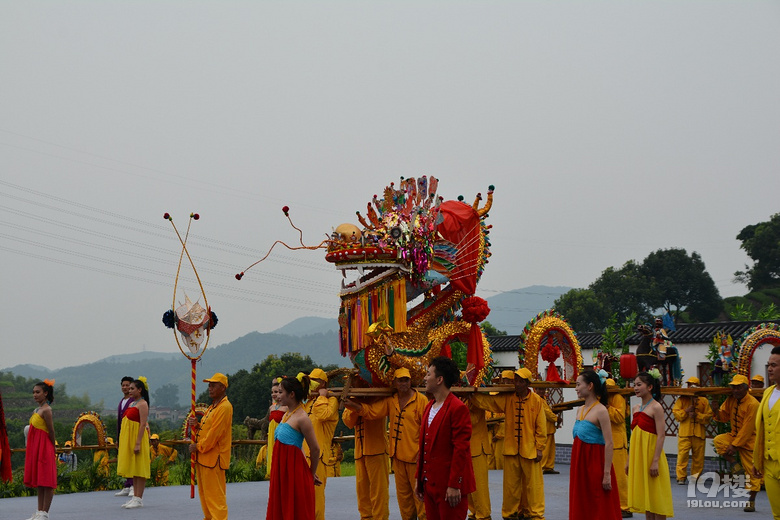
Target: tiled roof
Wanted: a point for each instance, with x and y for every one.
(685, 333)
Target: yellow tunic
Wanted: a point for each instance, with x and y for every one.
(324, 415)
(479, 500)
(548, 456)
(766, 455)
(404, 423)
(213, 440)
(371, 464)
(616, 407)
(742, 416)
(524, 421)
(168, 455)
(692, 426)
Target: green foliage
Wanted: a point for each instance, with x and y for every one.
(761, 242)
(490, 330)
(754, 306)
(667, 279)
(166, 396)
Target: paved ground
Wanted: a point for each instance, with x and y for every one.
(248, 500)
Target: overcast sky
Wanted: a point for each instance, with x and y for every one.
(610, 130)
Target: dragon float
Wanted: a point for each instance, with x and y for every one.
(413, 244)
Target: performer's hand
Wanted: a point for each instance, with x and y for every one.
(192, 422)
(538, 455)
(606, 482)
(353, 405)
(323, 392)
(452, 496)
(193, 447)
(757, 474)
(137, 448)
(654, 469)
(418, 492)
(317, 481)
(731, 450)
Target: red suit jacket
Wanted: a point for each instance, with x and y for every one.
(445, 449)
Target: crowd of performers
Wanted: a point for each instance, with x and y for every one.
(430, 438)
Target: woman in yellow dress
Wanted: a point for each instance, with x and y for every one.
(133, 456)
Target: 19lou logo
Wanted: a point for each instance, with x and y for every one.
(726, 490)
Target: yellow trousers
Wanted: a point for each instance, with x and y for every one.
(211, 490)
(694, 446)
(496, 459)
(408, 504)
(371, 484)
(479, 500)
(548, 455)
(523, 483)
(772, 483)
(722, 443)
(619, 459)
(319, 492)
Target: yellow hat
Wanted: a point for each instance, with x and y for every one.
(739, 379)
(757, 377)
(319, 373)
(693, 381)
(217, 378)
(401, 372)
(507, 374)
(68, 444)
(154, 436)
(524, 373)
(611, 383)
(109, 440)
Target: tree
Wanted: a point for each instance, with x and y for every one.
(582, 309)
(490, 330)
(166, 396)
(761, 242)
(678, 282)
(623, 292)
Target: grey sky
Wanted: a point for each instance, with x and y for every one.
(610, 129)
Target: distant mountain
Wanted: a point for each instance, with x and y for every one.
(511, 310)
(309, 325)
(100, 380)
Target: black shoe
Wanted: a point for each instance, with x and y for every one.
(551, 472)
(626, 514)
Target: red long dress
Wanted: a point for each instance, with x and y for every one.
(291, 490)
(40, 460)
(587, 497)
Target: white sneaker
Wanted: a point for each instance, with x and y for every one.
(126, 503)
(130, 493)
(35, 516)
(134, 503)
(42, 515)
(123, 492)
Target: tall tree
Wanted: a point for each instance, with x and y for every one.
(761, 242)
(166, 396)
(491, 330)
(623, 292)
(676, 282)
(582, 309)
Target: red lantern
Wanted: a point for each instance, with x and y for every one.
(628, 366)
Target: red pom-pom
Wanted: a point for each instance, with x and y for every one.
(194, 216)
(167, 216)
(285, 210)
(475, 309)
(239, 276)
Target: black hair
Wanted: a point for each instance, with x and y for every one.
(649, 380)
(144, 392)
(300, 389)
(599, 388)
(128, 379)
(776, 351)
(446, 368)
(48, 389)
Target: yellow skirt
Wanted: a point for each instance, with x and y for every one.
(128, 463)
(646, 493)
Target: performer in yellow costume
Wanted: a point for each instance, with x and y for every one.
(336, 456)
(693, 414)
(766, 454)
(167, 456)
(324, 414)
(479, 500)
(405, 410)
(740, 410)
(213, 439)
(496, 458)
(372, 466)
(548, 456)
(102, 460)
(526, 435)
(617, 416)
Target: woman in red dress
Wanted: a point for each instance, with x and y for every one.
(593, 491)
(40, 460)
(291, 491)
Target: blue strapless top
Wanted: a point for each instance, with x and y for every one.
(588, 432)
(286, 434)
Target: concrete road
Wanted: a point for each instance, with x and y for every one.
(248, 501)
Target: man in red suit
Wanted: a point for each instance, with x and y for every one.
(444, 473)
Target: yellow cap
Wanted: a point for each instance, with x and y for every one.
(739, 379)
(693, 381)
(524, 373)
(217, 378)
(401, 372)
(319, 373)
(154, 436)
(507, 374)
(757, 378)
(109, 440)
(68, 444)
(611, 383)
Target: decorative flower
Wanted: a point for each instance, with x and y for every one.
(143, 380)
(213, 321)
(169, 318)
